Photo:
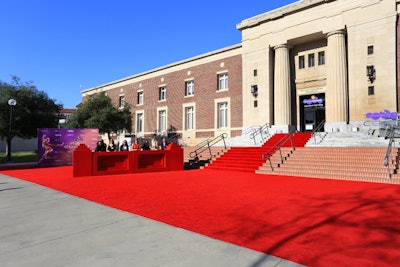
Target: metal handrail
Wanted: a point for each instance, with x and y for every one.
(387, 159)
(206, 145)
(250, 129)
(318, 130)
(260, 131)
(276, 147)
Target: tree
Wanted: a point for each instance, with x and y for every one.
(99, 113)
(34, 109)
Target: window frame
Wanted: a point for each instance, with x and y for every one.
(321, 58)
(302, 62)
(311, 60)
(370, 50)
(162, 93)
(189, 118)
(121, 101)
(162, 120)
(189, 88)
(222, 114)
(140, 98)
(139, 122)
(371, 90)
(223, 81)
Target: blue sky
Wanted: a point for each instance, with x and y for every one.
(66, 46)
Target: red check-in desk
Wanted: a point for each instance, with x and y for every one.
(88, 163)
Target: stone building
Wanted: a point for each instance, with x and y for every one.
(310, 62)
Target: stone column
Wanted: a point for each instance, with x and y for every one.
(337, 89)
(282, 96)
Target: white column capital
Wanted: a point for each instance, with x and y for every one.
(284, 46)
(337, 32)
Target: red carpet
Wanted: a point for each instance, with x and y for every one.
(314, 222)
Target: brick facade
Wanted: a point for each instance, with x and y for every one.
(206, 94)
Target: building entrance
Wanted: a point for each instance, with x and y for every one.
(312, 111)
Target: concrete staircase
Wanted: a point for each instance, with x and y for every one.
(344, 163)
(351, 156)
(352, 139)
(248, 159)
(203, 158)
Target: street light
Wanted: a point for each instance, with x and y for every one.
(11, 103)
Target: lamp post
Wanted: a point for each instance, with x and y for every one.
(11, 103)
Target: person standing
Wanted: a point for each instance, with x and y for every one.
(101, 147)
(124, 146)
(164, 143)
(156, 145)
(146, 145)
(136, 145)
(111, 146)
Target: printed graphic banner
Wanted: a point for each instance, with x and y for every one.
(55, 146)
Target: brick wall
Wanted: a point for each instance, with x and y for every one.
(205, 92)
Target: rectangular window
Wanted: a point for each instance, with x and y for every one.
(223, 115)
(371, 90)
(162, 120)
(321, 58)
(223, 81)
(311, 60)
(139, 122)
(255, 72)
(189, 118)
(189, 88)
(140, 98)
(301, 62)
(370, 50)
(162, 93)
(121, 103)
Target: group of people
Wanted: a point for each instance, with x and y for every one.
(111, 147)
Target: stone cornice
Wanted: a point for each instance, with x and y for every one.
(280, 12)
(236, 47)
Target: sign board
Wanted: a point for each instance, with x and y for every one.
(55, 146)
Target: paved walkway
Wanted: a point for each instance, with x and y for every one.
(43, 227)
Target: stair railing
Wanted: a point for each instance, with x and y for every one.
(206, 146)
(388, 161)
(267, 155)
(317, 132)
(262, 130)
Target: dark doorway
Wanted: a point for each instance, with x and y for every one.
(312, 112)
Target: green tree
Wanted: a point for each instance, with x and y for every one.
(33, 110)
(99, 113)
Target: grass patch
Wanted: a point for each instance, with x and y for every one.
(19, 157)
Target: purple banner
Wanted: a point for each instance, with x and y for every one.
(386, 114)
(55, 146)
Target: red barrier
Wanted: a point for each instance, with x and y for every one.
(107, 163)
(82, 161)
(88, 163)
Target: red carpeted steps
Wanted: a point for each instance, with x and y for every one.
(344, 163)
(248, 159)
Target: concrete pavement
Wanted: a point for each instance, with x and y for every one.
(43, 227)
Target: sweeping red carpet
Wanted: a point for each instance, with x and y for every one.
(314, 222)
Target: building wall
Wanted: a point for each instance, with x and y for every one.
(203, 71)
(304, 23)
(268, 58)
